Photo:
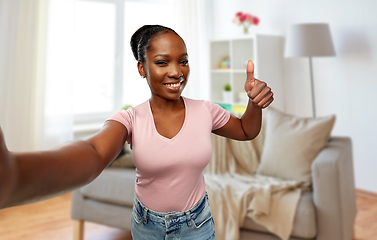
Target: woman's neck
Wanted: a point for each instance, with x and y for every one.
(161, 104)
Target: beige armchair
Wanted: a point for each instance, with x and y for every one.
(107, 200)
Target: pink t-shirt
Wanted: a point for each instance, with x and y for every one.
(169, 172)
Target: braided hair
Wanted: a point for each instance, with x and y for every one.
(140, 40)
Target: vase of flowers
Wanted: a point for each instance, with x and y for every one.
(246, 20)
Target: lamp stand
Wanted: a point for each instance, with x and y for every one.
(312, 86)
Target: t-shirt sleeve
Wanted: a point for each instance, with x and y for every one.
(219, 115)
(126, 118)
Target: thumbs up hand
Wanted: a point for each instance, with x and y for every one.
(258, 91)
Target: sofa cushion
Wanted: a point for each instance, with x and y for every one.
(291, 145)
(113, 185)
(304, 225)
(125, 158)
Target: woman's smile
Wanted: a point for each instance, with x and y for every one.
(175, 86)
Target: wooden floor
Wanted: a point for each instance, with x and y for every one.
(50, 220)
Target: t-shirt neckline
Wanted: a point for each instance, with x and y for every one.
(154, 124)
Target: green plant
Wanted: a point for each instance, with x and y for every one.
(126, 106)
(227, 87)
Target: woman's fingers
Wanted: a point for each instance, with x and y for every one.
(261, 95)
(265, 102)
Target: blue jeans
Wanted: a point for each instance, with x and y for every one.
(193, 224)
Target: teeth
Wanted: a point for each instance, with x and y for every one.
(175, 84)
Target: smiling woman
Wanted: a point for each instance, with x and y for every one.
(170, 136)
(171, 187)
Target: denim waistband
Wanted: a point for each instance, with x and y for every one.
(148, 214)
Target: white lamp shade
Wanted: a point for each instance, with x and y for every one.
(309, 40)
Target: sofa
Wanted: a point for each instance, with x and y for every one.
(326, 212)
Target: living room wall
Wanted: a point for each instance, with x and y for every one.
(345, 85)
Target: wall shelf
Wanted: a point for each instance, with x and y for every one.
(266, 51)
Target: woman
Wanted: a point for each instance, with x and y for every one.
(171, 140)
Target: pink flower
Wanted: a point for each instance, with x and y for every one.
(245, 18)
(249, 18)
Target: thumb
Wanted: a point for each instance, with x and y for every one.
(250, 81)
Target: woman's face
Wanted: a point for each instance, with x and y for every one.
(166, 66)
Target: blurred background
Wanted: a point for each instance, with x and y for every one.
(66, 65)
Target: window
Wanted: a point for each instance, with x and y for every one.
(94, 49)
(91, 71)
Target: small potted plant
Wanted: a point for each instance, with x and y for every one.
(227, 93)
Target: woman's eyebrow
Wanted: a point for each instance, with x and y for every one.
(161, 55)
(167, 55)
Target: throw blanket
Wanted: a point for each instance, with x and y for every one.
(236, 192)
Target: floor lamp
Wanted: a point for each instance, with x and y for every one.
(309, 40)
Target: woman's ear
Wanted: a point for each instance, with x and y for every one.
(140, 68)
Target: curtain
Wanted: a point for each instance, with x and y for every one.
(22, 62)
(192, 26)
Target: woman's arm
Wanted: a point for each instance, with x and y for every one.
(33, 176)
(248, 126)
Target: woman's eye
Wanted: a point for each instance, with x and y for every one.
(185, 62)
(160, 63)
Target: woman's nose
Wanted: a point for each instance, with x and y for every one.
(175, 71)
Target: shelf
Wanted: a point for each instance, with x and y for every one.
(233, 103)
(235, 108)
(229, 70)
(239, 70)
(221, 70)
(266, 51)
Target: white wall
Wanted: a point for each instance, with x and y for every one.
(345, 85)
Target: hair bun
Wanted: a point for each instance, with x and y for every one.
(141, 38)
(135, 39)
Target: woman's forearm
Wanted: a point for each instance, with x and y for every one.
(41, 175)
(251, 120)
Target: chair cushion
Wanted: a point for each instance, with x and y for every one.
(304, 225)
(124, 159)
(113, 185)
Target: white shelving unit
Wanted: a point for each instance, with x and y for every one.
(266, 51)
